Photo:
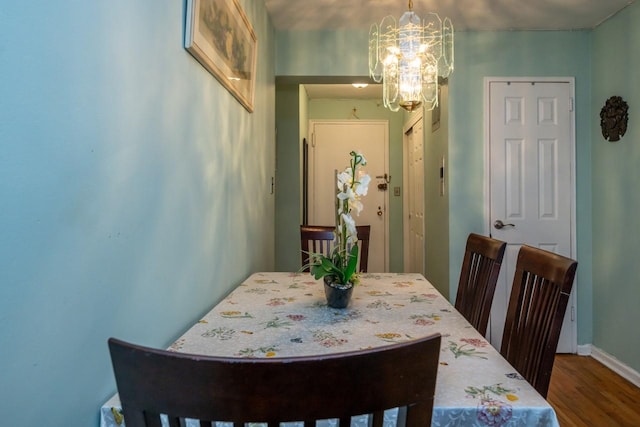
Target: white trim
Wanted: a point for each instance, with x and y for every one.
(616, 366)
(584, 350)
(405, 202)
(487, 171)
(486, 191)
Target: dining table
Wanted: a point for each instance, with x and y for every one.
(281, 314)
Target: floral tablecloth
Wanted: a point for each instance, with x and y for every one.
(285, 314)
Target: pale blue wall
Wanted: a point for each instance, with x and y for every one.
(436, 205)
(322, 53)
(135, 193)
(616, 199)
(287, 217)
(516, 53)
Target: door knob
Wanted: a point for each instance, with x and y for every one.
(379, 210)
(500, 225)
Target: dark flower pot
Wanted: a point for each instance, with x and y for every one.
(338, 295)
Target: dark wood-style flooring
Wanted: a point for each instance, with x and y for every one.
(585, 393)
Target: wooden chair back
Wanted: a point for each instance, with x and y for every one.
(541, 287)
(152, 382)
(478, 278)
(320, 238)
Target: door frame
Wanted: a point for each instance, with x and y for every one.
(487, 174)
(410, 123)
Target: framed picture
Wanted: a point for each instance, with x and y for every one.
(219, 35)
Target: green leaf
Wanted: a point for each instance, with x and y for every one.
(316, 271)
(325, 267)
(327, 264)
(353, 262)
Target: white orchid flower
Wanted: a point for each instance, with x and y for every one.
(362, 185)
(344, 179)
(356, 205)
(347, 194)
(351, 228)
(352, 185)
(360, 158)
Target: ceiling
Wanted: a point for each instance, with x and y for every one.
(482, 15)
(470, 15)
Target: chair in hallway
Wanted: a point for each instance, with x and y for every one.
(319, 239)
(478, 277)
(261, 390)
(541, 287)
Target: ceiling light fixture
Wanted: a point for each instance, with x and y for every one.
(409, 58)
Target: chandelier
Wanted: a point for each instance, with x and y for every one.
(410, 57)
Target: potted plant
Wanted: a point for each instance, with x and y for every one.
(339, 269)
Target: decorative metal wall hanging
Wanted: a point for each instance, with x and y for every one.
(613, 118)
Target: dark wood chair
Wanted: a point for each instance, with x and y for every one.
(541, 287)
(478, 277)
(152, 382)
(319, 239)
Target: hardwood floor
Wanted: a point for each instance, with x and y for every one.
(585, 393)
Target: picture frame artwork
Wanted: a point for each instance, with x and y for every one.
(219, 35)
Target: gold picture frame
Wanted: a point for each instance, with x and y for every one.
(219, 35)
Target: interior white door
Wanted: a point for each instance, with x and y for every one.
(531, 182)
(414, 256)
(331, 143)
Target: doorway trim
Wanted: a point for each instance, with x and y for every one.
(572, 143)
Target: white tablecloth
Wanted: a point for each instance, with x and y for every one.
(285, 314)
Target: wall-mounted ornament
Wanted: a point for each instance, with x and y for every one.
(613, 118)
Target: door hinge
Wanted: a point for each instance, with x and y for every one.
(573, 313)
(570, 104)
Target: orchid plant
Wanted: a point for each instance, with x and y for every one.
(352, 185)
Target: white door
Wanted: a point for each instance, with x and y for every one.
(531, 182)
(414, 198)
(331, 143)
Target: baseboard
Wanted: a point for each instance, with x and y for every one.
(614, 364)
(584, 350)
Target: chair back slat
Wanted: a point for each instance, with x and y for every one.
(478, 278)
(364, 231)
(240, 390)
(539, 296)
(320, 239)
